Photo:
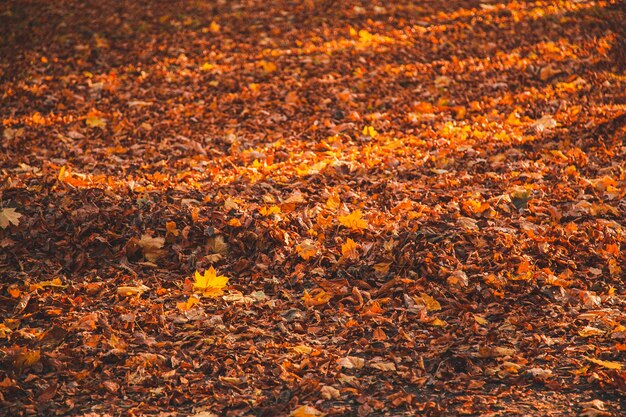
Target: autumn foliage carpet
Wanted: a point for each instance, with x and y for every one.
(342, 208)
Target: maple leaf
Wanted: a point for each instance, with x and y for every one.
(151, 247)
(333, 201)
(349, 249)
(306, 249)
(8, 216)
(351, 362)
(430, 303)
(353, 221)
(306, 411)
(267, 211)
(93, 120)
(319, 297)
(210, 284)
(186, 305)
(268, 67)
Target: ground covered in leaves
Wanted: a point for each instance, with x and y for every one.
(253, 208)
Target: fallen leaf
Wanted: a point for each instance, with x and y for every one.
(316, 298)
(210, 284)
(350, 362)
(306, 249)
(383, 366)
(605, 364)
(151, 247)
(306, 411)
(349, 249)
(129, 291)
(9, 216)
(353, 221)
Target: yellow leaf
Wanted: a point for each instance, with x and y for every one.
(186, 305)
(214, 27)
(266, 211)
(93, 120)
(234, 222)
(333, 201)
(306, 249)
(207, 67)
(382, 267)
(8, 216)
(268, 66)
(210, 284)
(306, 411)
(605, 364)
(349, 249)
(303, 349)
(370, 131)
(26, 358)
(171, 228)
(353, 221)
(480, 320)
(430, 303)
(319, 297)
(365, 36)
(437, 322)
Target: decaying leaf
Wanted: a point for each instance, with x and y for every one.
(151, 247)
(350, 362)
(9, 216)
(306, 249)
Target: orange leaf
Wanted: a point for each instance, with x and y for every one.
(353, 221)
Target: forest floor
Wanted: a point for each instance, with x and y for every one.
(402, 208)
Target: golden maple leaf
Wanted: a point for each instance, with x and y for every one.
(317, 297)
(353, 220)
(350, 249)
(210, 284)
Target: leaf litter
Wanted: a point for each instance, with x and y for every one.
(414, 208)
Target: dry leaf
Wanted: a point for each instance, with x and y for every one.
(316, 298)
(351, 362)
(349, 249)
(128, 291)
(306, 411)
(605, 364)
(306, 249)
(151, 247)
(209, 284)
(9, 216)
(353, 221)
